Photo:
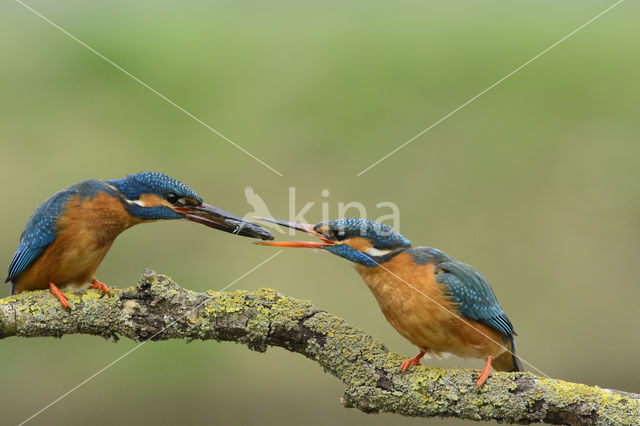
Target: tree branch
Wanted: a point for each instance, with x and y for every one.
(158, 309)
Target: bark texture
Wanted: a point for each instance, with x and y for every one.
(158, 309)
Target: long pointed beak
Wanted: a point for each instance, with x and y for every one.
(304, 227)
(216, 218)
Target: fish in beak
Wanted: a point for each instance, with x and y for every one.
(216, 218)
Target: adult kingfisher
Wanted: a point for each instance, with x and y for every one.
(437, 303)
(67, 237)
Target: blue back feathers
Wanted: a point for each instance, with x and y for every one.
(39, 232)
(468, 288)
(41, 229)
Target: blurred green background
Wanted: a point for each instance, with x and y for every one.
(537, 183)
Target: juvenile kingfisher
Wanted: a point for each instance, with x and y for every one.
(70, 233)
(437, 303)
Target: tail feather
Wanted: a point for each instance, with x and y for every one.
(12, 285)
(508, 361)
(517, 365)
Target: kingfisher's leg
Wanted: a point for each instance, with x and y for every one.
(485, 372)
(99, 285)
(412, 361)
(59, 294)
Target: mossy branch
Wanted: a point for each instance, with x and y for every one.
(158, 309)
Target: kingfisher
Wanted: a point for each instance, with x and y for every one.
(437, 303)
(69, 234)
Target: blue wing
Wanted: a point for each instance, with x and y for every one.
(39, 232)
(473, 295)
(469, 289)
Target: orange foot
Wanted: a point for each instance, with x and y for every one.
(60, 295)
(99, 285)
(411, 361)
(485, 372)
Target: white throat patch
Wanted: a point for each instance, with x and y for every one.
(376, 252)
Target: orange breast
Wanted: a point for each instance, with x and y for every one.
(85, 233)
(419, 309)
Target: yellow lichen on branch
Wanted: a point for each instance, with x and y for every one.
(159, 309)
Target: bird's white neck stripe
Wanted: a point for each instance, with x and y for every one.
(136, 202)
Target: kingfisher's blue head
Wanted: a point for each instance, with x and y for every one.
(361, 241)
(156, 196)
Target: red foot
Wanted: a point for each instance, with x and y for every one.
(59, 294)
(411, 361)
(485, 372)
(99, 285)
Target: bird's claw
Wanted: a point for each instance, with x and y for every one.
(99, 286)
(484, 374)
(59, 295)
(408, 363)
(411, 362)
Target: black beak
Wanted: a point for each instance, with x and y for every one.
(216, 218)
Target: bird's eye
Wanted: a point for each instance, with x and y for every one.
(336, 234)
(171, 197)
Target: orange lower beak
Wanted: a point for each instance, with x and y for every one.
(304, 227)
(297, 244)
